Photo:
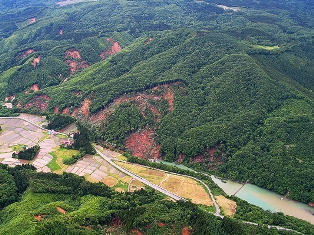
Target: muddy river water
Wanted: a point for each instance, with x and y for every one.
(262, 197)
(266, 199)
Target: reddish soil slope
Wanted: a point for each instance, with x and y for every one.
(73, 58)
(83, 111)
(209, 157)
(148, 40)
(25, 53)
(142, 144)
(114, 48)
(143, 100)
(36, 61)
(35, 87)
(186, 231)
(39, 101)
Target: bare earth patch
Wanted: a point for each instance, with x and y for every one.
(115, 48)
(75, 61)
(120, 190)
(110, 181)
(183, 186)
(142, 144)
(37, 217)
(228, 206)
(39, 101)
(60, 210)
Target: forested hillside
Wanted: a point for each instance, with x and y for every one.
(223, 86)
(66, 204)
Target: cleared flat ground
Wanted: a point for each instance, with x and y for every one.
(17, 133)
(180, 185)
(228, 206)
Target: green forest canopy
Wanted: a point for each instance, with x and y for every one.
(242, 79)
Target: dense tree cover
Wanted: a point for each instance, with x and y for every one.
(242, 74)
(14, 182)
(126, 119)
(58, 121)
(82, 140)
(8, 189)
(95, 209)
(27, 153)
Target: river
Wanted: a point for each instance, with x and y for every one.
(267, 200)
(183, 167)
(263, 198)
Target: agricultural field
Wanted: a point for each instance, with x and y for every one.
(95, 169)
(182, 186)
(17, 133)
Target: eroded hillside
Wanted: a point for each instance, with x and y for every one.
(224, 87)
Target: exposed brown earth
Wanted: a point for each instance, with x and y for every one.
(186, 231)
(136, 232)
(83, 111)
(36, 61)
(38, 217)
(56, 110)
(148, 40)
(74, 60)
(65, 111)
(72, 53)
(23, 54)
(60, 210)
(142, 144)
(39, 101)
(9, 98)
(35, 87)
(115, 48)
(142, 100)
(209, 157)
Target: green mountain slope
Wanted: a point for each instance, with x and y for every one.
(66, 204)
(225, 90)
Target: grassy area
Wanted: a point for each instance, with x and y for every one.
(122, 158)
(17, 147)
(153, 176)
(269, 48)
(52, 164)
(228, 206)
(121, 187)
(58, 155)
(44, 137)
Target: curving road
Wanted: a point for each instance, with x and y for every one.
(144, 181)
(33, 123)
(156, 187)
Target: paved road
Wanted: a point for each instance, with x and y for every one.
(217, 213)
(33, 123)
(144, 181)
